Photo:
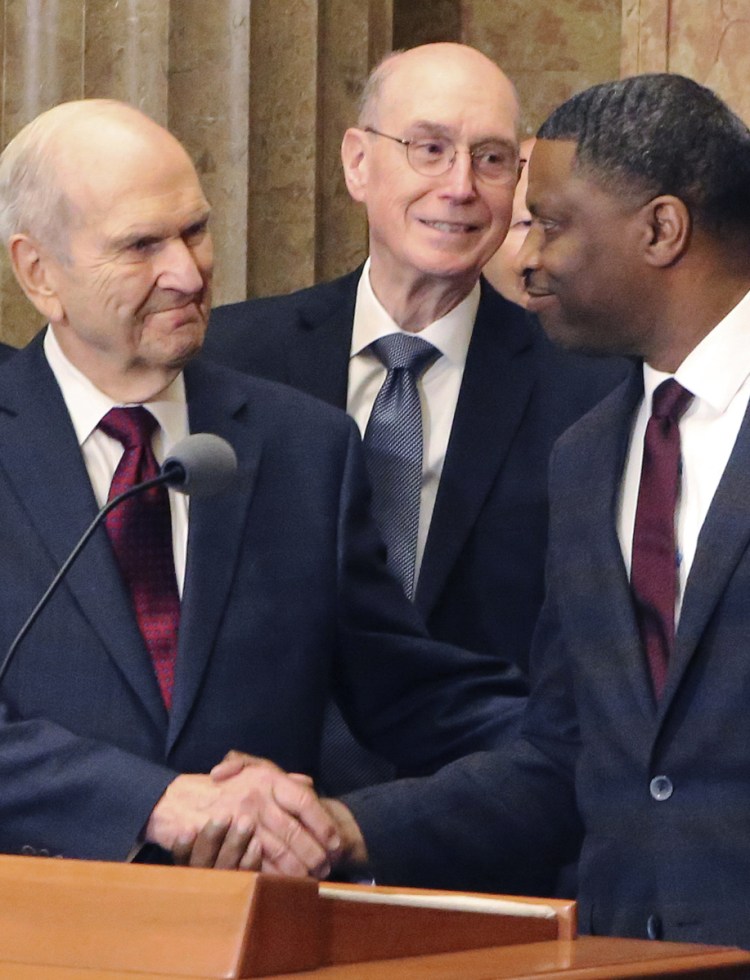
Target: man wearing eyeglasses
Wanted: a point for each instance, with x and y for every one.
(462, 503)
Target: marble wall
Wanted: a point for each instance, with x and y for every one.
(260, 92)
(708, 40)
(550, 49)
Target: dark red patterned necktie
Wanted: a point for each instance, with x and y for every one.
(653, 576)
(140, 530)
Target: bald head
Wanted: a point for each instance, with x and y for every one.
(429, 62)
(43, 170)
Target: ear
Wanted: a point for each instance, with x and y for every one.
(33, 268)
(354, 159)
(669, 228)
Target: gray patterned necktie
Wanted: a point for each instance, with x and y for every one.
(393, 444)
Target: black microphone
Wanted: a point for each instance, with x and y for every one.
(200, 465)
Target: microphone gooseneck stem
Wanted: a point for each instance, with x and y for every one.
(173, 475)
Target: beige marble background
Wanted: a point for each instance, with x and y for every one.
(708, 40)
(260, 91)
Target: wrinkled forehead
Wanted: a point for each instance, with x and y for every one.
(102, 170)
(465, 99)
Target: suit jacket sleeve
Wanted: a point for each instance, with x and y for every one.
(502, 820)
(71, 796)
(416, 701)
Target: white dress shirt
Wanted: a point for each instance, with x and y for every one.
(87, 406)
(717, 372)
(438, 387)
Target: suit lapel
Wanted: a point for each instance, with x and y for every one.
(319, 341)
(56, 493)
(596, 588)
(497, 384)
(218, 403)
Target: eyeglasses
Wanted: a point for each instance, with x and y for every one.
(494, 162)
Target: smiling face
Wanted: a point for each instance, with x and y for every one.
(433, 229)
(129, 297)
(583, 257)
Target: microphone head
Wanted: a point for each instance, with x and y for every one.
(200, 465)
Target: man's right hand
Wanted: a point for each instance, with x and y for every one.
(256, 817)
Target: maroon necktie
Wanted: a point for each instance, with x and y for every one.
(653, 576)
(140, 530)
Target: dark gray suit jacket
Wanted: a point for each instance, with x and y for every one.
(660, 794)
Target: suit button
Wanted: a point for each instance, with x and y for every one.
(661, 788)
(28, 850)
(653, 927)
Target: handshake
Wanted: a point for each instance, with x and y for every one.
(248, 814)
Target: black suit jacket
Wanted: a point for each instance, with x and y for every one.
(482, 577)
(286, 597)
(660, 792)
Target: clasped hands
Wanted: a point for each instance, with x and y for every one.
(248, 814)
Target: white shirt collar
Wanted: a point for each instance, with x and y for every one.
(450, 334)
(717, 368)
(87, 404)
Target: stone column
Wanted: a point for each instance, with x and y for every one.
(308, 59)
(208, 100)
(283, 145)
(351, 41)
(42, 65)
(126, 53)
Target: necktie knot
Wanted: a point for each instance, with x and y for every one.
(670, 401)
(131, 426)
(400, 351)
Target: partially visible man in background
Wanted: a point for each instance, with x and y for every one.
(460, 475)
(503, 269)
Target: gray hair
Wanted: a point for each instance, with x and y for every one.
(32, 201)
(372, 90)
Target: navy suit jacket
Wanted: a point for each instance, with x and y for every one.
(286, 597)
(660, 793)
(481, 582)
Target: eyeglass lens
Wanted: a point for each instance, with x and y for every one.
(492, 161)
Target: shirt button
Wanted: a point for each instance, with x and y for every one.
(653, 927)
(661, 788)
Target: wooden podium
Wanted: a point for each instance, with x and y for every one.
(79, 920)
